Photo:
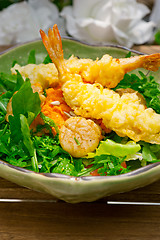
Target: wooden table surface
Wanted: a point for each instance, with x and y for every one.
(25, 214)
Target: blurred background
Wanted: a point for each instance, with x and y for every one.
(123, 22)
(62, 3)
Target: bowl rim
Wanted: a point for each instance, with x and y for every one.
(74, 40)
(84, 178)
(63, 176)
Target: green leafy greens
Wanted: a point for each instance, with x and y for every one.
(22, 147)
(147, 86)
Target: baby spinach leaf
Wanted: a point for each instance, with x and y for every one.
(19, 82)
(25, 100)
(8, 81)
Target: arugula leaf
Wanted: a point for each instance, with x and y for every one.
(106, 165)
(26, 134)
(147, 86)
(25, 107)
(50, 122)
(19, 162)
(10, 151)
(64, 166)
(48, 148)
(128, 55)
(3, 148)
(32, 57)
(46, 166)
(47, 60)
(14, 63)
(157, 37)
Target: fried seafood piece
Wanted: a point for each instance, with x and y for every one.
(107, 71)
(78, 136)
(121, 91)
(44, 74)
(124, 114)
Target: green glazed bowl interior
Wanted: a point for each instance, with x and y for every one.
(67, 188)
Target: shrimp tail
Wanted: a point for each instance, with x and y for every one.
(152, 62)
(53, 45)
(149, 62)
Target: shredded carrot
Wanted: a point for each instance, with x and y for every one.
(56, 113)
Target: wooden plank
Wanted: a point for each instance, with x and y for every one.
(9, 190)
(5, 47)
(148, 49)
(85, 221)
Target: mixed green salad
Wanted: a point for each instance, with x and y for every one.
(24, 148)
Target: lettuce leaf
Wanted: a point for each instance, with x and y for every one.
(110, 147)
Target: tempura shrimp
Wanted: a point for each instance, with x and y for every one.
(78, 136)
(107, 71)
(123, 114)
(44, 74)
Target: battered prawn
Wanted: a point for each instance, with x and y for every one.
(107, 71)
(78, 136)
(44, 74)
(123, 114)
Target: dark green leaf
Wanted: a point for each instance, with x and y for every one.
(8, 81)
(50, 122)
(25, 100)
(20, 81)
(32, 57)
(147, 86)
(47, 60)
(157, 37)
(128, 55)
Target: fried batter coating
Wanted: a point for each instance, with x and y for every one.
(107, 71)
(125, 114)
(44, 74)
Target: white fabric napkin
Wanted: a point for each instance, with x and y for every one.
(108, 21)
(21, 22)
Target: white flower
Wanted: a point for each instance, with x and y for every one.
(155, 15)
(108, 21)
(21, 22)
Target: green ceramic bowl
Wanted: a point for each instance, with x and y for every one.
(71, 189)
